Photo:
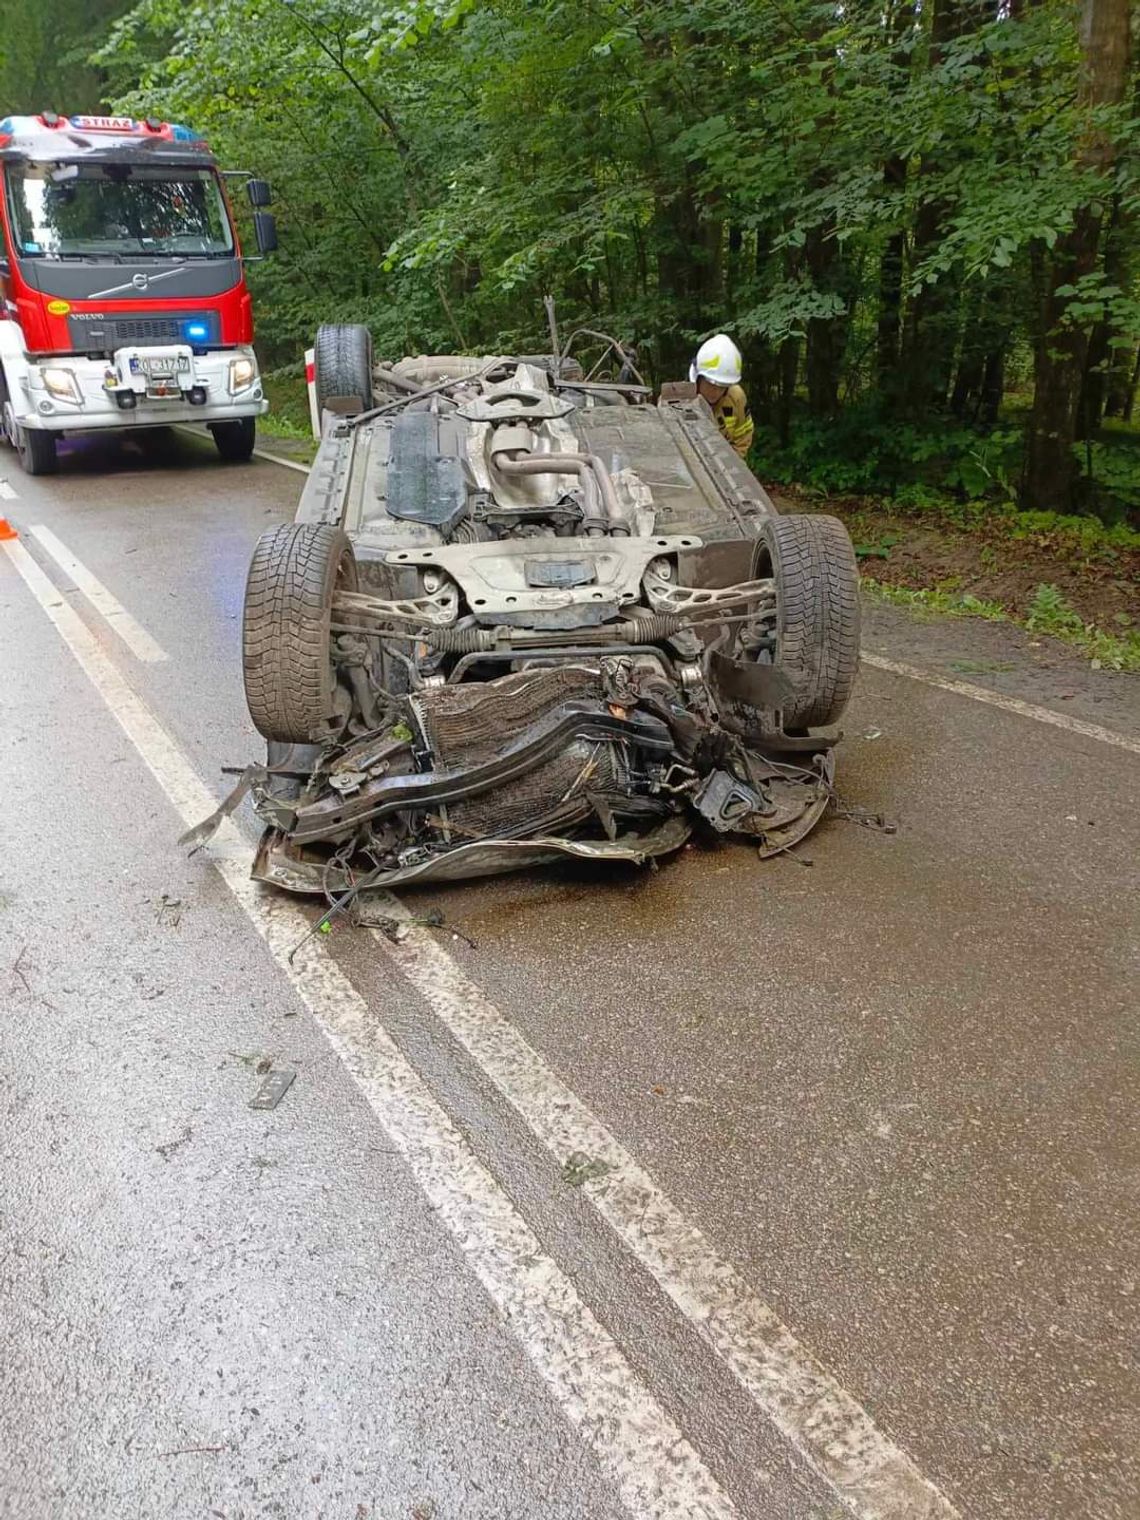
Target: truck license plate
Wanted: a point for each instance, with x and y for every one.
(163, 368)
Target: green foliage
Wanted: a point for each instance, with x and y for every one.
(938, 599)
(1049, 612)
(1086, 537)
(1112, 475)
(919, 465)
(880, 549)
(668, 168)
(44, 47)
(288, 399)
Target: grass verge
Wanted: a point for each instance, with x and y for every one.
(1048, 613)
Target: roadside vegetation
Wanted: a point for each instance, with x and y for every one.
(1048, 613)
(918, 221)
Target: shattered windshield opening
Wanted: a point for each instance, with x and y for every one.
(115, 210)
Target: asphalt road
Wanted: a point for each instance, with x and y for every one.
(736, 1189)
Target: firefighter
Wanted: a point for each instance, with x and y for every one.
(716, 371)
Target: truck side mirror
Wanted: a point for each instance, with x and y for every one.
(265, 231)
(259, 192)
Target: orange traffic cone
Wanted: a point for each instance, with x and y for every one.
(7, 530)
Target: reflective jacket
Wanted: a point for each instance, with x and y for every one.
(734, 419)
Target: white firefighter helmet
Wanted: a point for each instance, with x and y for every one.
(718, 359)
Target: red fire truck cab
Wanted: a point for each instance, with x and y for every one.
(124, 296)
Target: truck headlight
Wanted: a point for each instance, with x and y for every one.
(243, 372)
(61, 383)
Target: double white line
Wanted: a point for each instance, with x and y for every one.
(133, 634)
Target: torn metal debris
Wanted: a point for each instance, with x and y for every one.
(273, 1088)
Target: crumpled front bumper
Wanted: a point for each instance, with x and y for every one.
(601, 763)
(281, 863)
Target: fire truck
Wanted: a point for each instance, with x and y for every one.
(123, 301)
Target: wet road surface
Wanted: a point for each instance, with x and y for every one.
(860, 1235)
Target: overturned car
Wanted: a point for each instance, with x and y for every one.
(525, 614)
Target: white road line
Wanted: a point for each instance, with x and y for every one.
(873, 1478)
(290, 464)
(1007, 704)
(7, 492)
(133, 635)
(658, 1473)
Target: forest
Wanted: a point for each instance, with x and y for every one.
(917, 218)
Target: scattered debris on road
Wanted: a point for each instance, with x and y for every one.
(579, 1168)
(169, 911)
(17, 970)
(273, 1088)
(853, 812)
(182, 1451)
(167, 1150)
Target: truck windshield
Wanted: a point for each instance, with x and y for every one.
(60, 211)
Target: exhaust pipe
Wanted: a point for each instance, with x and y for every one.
(585, 466)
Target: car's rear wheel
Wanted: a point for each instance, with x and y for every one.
(291, 687)
(342, 364)
(235, 439)
(812, 562)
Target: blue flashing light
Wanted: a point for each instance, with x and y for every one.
(184, 134)
(196, 332)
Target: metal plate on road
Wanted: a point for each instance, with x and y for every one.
(273, 1089)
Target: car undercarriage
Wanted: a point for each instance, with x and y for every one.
(524, 614)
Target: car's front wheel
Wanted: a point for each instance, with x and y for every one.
(812, 562)
(291, 686)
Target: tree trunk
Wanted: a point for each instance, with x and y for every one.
(1121, 382)
(993, 386)
(1062, 350)
(789, 368)
(1098, 361)
(971, 359)
(925, 356)
(1130, 399)
(889, 332)
(899, 22)
(826, 336)
(689, 274)
(967, 383)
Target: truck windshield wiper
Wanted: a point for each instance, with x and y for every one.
(181, 257)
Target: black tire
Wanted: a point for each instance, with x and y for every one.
(290, 682)
(817, 614)
(235, 440)
(36, 449)
(342, 366)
